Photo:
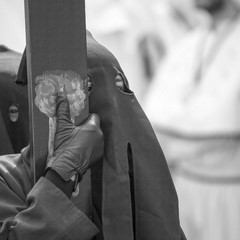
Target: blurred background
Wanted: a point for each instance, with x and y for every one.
(181, 58)
(139, 32)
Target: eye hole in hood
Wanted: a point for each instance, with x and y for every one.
(122, 83)
(13, 113)
(90, 83)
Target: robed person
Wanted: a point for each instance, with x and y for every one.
(131, 194)
(14, 123)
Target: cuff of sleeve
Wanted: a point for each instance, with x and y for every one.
(61, 214)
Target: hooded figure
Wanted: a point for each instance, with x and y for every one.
(14, 123)
(133, 196)
(138, 197)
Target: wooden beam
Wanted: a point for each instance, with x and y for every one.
(56, 41)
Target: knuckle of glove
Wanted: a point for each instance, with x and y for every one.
(93, 122)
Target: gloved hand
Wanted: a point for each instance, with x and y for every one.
(75, 148)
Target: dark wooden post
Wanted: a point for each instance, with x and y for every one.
(56, 41)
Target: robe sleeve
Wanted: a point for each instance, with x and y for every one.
(46, 213)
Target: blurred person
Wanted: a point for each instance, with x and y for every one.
(138, 32)
(193, 104)
(12, 24)
(132, 195)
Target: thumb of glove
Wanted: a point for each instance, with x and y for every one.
(64, 125)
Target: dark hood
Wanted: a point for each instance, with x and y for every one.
(14, 135)
(138, 197)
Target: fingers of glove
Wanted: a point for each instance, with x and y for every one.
(91, 136)
(84, 147)
(87, 138)
(64, 126)
(89, 133)
(84, 138)
(63, 111)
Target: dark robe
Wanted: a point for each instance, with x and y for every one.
(40, 212)
(133, 196)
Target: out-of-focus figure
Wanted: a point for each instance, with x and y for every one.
(138, 32)
(194, 105)
(12, 24)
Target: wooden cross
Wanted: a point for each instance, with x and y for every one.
(56, 51)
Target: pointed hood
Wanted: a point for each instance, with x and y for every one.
(138, 198)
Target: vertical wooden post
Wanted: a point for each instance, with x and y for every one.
(56, 41)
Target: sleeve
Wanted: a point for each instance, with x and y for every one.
(45, 214)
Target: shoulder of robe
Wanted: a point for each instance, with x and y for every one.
(8, 164)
